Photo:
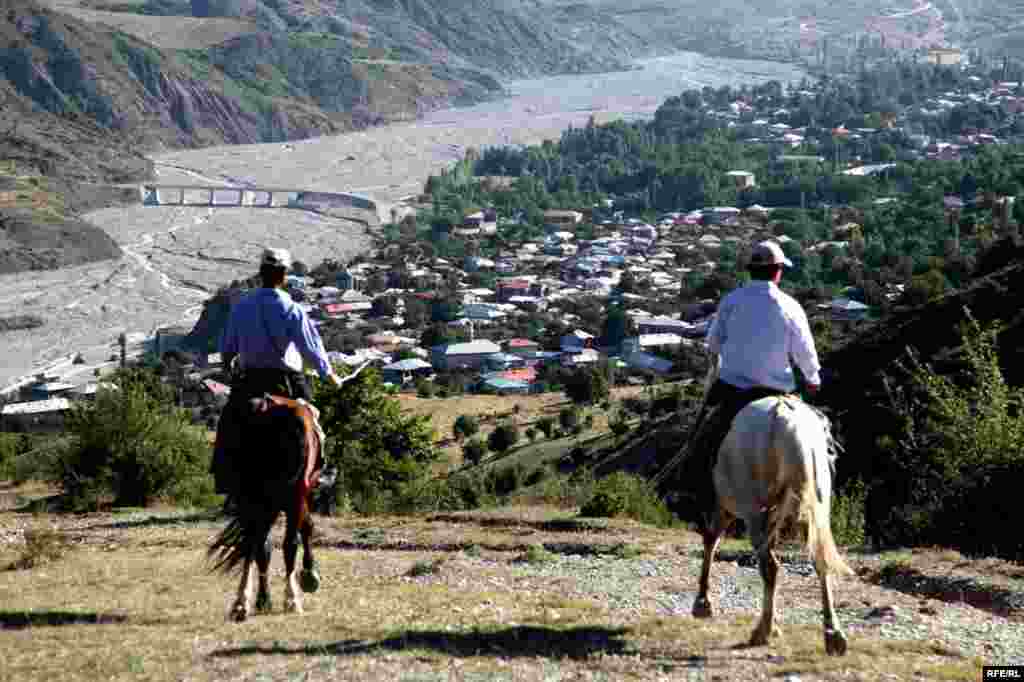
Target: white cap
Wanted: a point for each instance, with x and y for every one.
(769, 253)
(278, 258)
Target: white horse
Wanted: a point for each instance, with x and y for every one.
(775, 464)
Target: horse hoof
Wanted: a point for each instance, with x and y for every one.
(835, 643)
(293, 606)
(264, 604)
(702, 608)
(309, 580)
(239, 613)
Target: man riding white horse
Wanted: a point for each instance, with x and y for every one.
(758, 332)
(270, 336)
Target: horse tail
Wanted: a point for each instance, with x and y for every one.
(245, 533)
(815, 501)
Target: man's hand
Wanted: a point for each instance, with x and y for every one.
(334, 379)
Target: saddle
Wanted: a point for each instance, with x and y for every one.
(240, 415)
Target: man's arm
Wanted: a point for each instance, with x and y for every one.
(803, 352)
(311, 346)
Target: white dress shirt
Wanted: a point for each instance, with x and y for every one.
(758, 331)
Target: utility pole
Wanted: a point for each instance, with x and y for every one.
(122, 340)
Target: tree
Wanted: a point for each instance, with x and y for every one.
(586, 387)
(474, 450)
(131, 445)
(377, 448)
(546, 425)
(465, 426)
(616, 326)
(503, 437)
(569, 418)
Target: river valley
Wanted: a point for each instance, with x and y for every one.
(175, 257)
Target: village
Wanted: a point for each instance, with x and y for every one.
(596, 287)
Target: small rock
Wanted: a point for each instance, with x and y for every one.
(928, 610)
(791, 678)
(888, 611)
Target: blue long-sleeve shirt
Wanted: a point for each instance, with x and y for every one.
(268, 330)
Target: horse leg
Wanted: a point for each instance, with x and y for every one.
(240, 611)
(835, 640)
(712, 536)
(264, 604)
(768, 565)
(292, 595)
(309, 579)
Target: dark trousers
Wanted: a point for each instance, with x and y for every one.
(251, 383)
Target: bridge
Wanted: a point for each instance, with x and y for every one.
(340, 204)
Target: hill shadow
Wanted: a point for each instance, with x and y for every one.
(17, 620)
(522, 641)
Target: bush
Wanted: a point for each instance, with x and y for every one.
(474, 450)
(848, 514)
(465, 426)
(503, 437)
(586, 386)
(133, 446)
(569, 419)
(635, 405)
(546, 425)
(378, 450)
(619, 424)
(531, 434)
(957, 468)
(425, 389)
(508, 479)
(622, 494)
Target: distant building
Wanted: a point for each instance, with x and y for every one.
(171, 339)
(346, 280)
(470, 355)
(743, 179)
(561, 220)
(37, 416)
(944, 56)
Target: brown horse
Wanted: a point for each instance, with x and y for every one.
(280, 444)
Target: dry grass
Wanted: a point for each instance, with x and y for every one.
(439, 597)
(488, 409)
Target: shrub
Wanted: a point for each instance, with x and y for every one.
(474, 450)
(586, 386)
(569, 418)
(507, 479)
(546, 425)
(635, 405)
(41, 547)
(132, 445)
(531, 433)
(425, 389)
(503, 437)
(622, 494)
(848, 514)
(619, 424)
(465, 426)
(377, 449)
(424, 567)
(536, 554)
(957, 467)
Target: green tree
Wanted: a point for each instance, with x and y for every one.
(474, 450)
(376, 447)
(586, 386)
(465, 426)
(132, 446)
(503, 437)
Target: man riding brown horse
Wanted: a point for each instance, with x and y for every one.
(270, 336)
(758, 332)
